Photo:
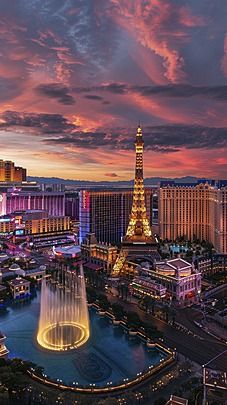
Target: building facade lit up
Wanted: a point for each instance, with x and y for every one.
(16, 199)
(106, 213)
(35, 225)
(96, 255)
(11, 173)
(180, 278)
(194, 211)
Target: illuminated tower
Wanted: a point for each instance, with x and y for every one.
(138, 240)
(139, 229)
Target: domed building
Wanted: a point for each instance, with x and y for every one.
(14, 267)
(3, 257)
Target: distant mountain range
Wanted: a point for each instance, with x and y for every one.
(127, 183)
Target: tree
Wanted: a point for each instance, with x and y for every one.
(133, 320)
(178, 392)
(91, 295)
(108, 401)
(189, 254)
(160, 401)
(118, 311)
(166, 309)
(148, 302)
(173, 314)
(4, 396)
(13, 381)
(19, 365)
(3, 362)
(149, 330)
(103, 302)
(123, 290)
(152, 332)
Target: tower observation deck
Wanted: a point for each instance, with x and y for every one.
(138, 240)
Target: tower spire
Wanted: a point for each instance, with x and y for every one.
(138, 239)
(139, 229)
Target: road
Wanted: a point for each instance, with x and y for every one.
(199, 350)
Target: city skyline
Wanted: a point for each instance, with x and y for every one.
(77, 78)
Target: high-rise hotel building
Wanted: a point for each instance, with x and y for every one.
(11, 173)
(106, 213)
(194, 211)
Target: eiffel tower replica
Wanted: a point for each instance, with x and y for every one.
(138, 240)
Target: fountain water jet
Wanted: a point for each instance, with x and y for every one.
(64, 319)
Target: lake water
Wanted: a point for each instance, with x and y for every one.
(110, 355)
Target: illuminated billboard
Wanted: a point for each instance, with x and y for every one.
(19, 232)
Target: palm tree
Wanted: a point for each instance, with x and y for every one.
(133, 320)
(166, 309)
(149, 302)
(118, 311)
(173, 314)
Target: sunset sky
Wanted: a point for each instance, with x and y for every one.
(76, 77)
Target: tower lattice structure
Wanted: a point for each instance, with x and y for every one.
(138, 239)
(139, 229)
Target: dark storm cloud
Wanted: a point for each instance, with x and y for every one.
(163, 138)
(62, 92)
(174, 137)
(184, 91)
(88, 140)
(175, 90)
(93, 97)
(40, 123)
(56, 91)
(116, 88)
(160, 138)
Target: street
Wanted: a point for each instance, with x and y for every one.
(198, 350)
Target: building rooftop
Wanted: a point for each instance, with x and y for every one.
(108, 189)
(3, 256)
(73, 249)
(216, 378)
(177, 401)
(34, 271)
(179, 263)
(175, 268)
(218, 184)
(18, 281)
(93, 266)
(6, 273)
(14, 267)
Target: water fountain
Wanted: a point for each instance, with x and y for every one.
(64, 319)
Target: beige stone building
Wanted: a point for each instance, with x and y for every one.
(194, 211)
(102, 255)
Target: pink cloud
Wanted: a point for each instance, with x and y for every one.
(160, 27)
(187, 19)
